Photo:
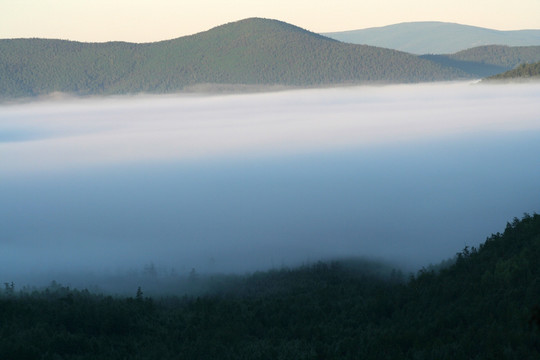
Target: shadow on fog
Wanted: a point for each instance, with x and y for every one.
(411, 203)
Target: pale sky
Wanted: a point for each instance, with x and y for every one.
(154, 20)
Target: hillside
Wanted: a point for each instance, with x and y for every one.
(435, 37)
(524, 72)
(31, 67)
(488, 60)
(252, 51)
(483, 306)
(504, 56)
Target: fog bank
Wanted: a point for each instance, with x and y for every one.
(409, 173)
(80, 133)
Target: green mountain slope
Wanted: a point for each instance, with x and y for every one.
(483, 306)
(497, 55)
(435, 37)
(524, 72)
(38, 66)
(251, 51)
(488, 60)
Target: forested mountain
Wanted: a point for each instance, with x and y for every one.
(435, 37)
(497, 55)
(523, 72)
(483, 306)
(252, 51)
(488, 60)
(37, 66)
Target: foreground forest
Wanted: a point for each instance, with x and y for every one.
(482, 306)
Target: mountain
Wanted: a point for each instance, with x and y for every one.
(435, 37)
(484, 305)
(488, 60)
(524, 72)
(253, 51)
(504, 56)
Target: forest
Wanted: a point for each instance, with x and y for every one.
(483, 303)
(523, 72)
(488, 60)
(252, 52)
(248, 52)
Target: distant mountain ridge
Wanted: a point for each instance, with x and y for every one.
(485, 61)
(431, 37)
(252, 52)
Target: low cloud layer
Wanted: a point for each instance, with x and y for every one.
(244, 182)
(50, 136)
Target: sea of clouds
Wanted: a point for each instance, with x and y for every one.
(243, 182)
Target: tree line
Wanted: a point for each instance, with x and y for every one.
(482, 306)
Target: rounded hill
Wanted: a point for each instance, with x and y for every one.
(253, 51)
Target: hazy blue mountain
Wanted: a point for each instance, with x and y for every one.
(488, 60)
(252, 51)
(435, 37)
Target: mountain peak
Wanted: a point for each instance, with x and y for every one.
(261, 26)
(433, 37)
(253, 51)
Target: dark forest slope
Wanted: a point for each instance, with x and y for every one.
(484, 306)
(524, 72)
(251, 51)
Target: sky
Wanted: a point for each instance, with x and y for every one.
(154, 20)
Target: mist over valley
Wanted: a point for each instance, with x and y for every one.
(407, 174)
(269, 189)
